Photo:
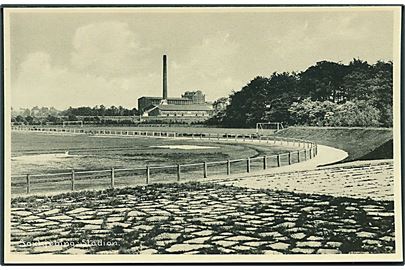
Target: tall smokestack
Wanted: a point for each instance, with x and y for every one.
(164, 77)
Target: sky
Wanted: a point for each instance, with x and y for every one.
(86, 58)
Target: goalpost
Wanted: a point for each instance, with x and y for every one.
(70, 123)
(260, 127)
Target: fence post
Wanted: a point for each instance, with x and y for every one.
(278, 161)
(264, 162)
(147, 174)
(73, 179)
(28, 184)
(248, 165)
(205, 169)
(289, 158)
(112, 177)
(228, 167)
(178, 172)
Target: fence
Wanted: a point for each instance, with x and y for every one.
(77, 180)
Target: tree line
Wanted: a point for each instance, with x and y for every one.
(101, 110)
(325, 94)
(43, 115)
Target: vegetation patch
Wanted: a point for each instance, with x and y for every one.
(372, 143)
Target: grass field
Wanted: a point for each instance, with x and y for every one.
(360, 143)
(30, 152)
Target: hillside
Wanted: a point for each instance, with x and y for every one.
(360, 143)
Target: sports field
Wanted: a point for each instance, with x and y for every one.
(46, 153)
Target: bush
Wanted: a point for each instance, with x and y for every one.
(359, 113)
(314, 113)
(354, 114)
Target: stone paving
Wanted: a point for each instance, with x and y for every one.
(200, 218)
(361, 179)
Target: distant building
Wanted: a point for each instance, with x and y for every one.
(146, 102)
(197, 97)
(191, 107)
(179, 111)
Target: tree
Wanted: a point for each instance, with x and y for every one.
(323, 81)
(29, 119)
(20, 119)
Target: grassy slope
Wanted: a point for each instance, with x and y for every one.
(360, 143)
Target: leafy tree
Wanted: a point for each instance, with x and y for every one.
(323, 81)
(314, 113)
(20, 119)
(355, 114)
(29, 119)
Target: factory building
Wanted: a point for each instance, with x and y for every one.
(146, 102)
(190, 107)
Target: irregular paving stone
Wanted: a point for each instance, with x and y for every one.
(366, 234)
(50, 212)
(328, 251)
(372, 242)
(21, 213)
(75, 251)
(135, 213)
(225, 243)
(78, 210)
(309, 244)
(387, 238)
(279, 246)
(203, 233)
(285, 225)
(60, 218)
(303, 250)
(241, 238)
(114, 219)
(91, 227)
(198, 240)
(255, 243)
(242, 247)
(148, 251)
(167, 236)
(298, 236)
(314, 238)
(185, 247)
(333, 244)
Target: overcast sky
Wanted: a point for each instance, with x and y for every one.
(84, 59)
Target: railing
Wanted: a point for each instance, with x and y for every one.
(76, 180)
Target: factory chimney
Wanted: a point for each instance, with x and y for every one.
(164, 77)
